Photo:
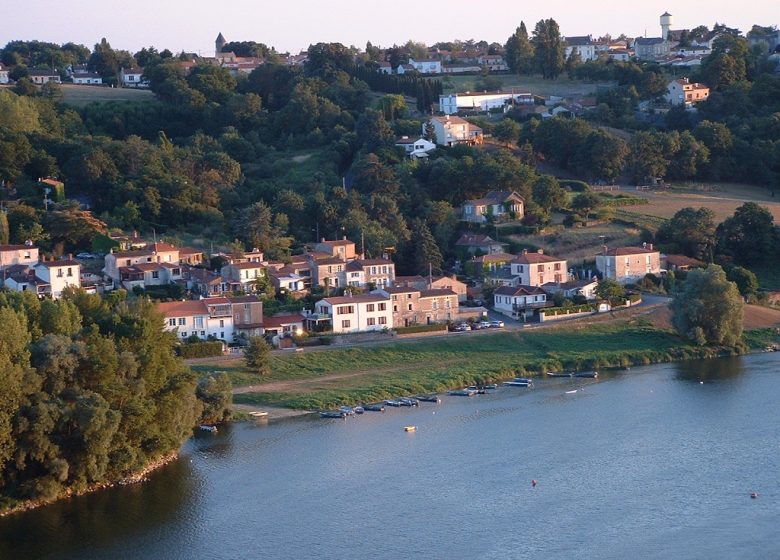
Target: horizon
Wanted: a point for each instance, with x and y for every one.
(354, 25)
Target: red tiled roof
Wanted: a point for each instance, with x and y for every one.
(365, 298)
(518, 291)
(535, 258)
(625, 251)
(282, 320)
(437, 293)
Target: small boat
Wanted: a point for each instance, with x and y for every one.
(405, 401)
(491, 386)
(374, 407)
(571, 392)
(428, 398)
(347, 410)
(523, 380)
(754, 495)
(258, 414)
(516, 383)
(393, 403)
(462, 393)
(478, 390)
(205, 428)
(332, 414)
(410, 428)
(589, 374)
(550, 374)
(359, 410)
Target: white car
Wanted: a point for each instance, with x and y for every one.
(484, 325)
(496, 324)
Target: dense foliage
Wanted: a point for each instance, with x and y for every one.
(92, 392)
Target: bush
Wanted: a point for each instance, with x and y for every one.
(421, 328)
(569, 309)
(573, 185)
(200, 349)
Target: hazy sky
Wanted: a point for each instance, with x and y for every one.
(292, 25)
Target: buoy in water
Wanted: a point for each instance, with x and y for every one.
(533, 483)
(754, 495)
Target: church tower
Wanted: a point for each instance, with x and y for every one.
(219, 43)
(666, 25)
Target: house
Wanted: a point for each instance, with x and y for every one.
(328, 272)
(455, 102)
(341, 248)
(651, 48)
(685, 92)
(3, 74)
(132, 77)
(476, 242)
(573, 288)
(144, 275)
(426, 66)
(584, 46)
(40, 77)
(284, 324)
(203, 282)
(190, 256)
(451, 130)
(519, 302)
(537, 269)
(119, 266)
(247, 314)
(415, 149)
(204, 318)
(21, 278)
(351, 314)
(243, 277)
(498, 205)
(375, 272)
(385, 68)
(405, 302)
(86, 78)
(10, 255)
(489, 264)
(493, 62)
(460, 68)
(628, 264)
(433, 283)
(286, 279)
(767, 38)
(438, 306)
(680, 262)
(620, 55)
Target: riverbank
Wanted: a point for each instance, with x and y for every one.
(140, 476)
(321, 380)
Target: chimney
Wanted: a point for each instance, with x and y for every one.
(644, 245)
(70, 256)
(650, 246)
(525, 251)
(605, 249)
(540, 251)
(323, 240)
(345, 238)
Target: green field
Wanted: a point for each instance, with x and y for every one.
(317, 380)
(79, 96)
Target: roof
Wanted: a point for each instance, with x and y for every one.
(132, 70)
(682, 260)
(495, 197)
(189, 251)
(39, 72)
(452, 119)
(245, 299)
(370, 262)
(494, 257)
(476, 240)
(437, 293)
(183, 308)
(148, 250)
(336, 243)
(650, 40)
(625, 251)
(17, 247)
(400, 289)
(535, 258)
(518, 291)
(579, 41)
(366, 298)
(57, 264)
(282, 320)
(248, 265)
(329, 260)
(401, 280)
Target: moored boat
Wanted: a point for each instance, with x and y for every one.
(391, 402)
(462, 393)
(410, 428)
(347, 410)
(588, 374)
(516, 383)
(491, 386)
(205, 428)
(562, 374)
(405, 401)
(374, 407)
(359, 410)
(428, 398)
(332, 414)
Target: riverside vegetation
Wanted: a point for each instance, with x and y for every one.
(92, 394)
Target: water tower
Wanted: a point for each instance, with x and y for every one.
(666, 25)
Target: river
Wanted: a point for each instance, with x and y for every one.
(656, 462)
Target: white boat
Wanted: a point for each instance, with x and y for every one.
(205, 428)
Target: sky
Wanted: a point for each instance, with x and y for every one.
(291, 26)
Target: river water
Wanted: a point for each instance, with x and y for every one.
(649, 463)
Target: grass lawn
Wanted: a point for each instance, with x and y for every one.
(83, 95)
(317, 380)
(562, 86)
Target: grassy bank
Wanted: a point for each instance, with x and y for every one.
(325, 379)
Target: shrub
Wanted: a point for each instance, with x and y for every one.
(574, 185)
(421, 328)
(200, 349)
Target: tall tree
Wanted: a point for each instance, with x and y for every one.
(519, 51)
(548, 49)
(691, 232)
(749, 237)
(5, 230)
(426, 255)
(708, 309)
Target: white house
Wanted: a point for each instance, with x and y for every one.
(244, 276)
(351, 314)
(202, 318)
(519, 301)
(132, 77)
(40, 77)
(3, 74)
(86, 78)
(123, 266)
(454, 102)
(18, 254)
(685, 92)
(451, 130)
(385, 68)
(628, 264)
(537, 269)
(59, 275)
(583, 45)
(415, 149)
(426, 66)
(495, 204)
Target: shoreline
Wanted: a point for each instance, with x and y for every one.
(135, 478)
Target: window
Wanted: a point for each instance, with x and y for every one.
(155, 274)
(383, 320)
(345, 310)
(171, 322)
(221, 323)
(540, 268)
(148, 259)
(370, 308)
(557, 266)
(184, 334)
(395, 309)
(59, 273)
(408, 296)
(409, 306)
(182, 321)
(198, 322)
(221, 335)
(202, 333)
(345, 324)
(382, 307)
(371, 321)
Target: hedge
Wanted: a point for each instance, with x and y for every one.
(421, 328)
(623, 201)
(205, 349)
(574, 185)
(554, 311)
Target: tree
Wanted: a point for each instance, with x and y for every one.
(5, 230)
(601, 156)
(426, 253)
(611, 291)
(585, 203)
(708, 309)
(746, 281)
(257, 355)
(430, 132)
(573, 62)
(548, 193)
(216, 394)
(519, 51)
(507, 131)
(749, 236)
(691, 232)
(548, 49)
(647, 156)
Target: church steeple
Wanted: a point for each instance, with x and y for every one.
(219, 43)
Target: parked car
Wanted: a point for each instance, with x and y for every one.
(482, 325)
(461, 327)
(496, 324)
